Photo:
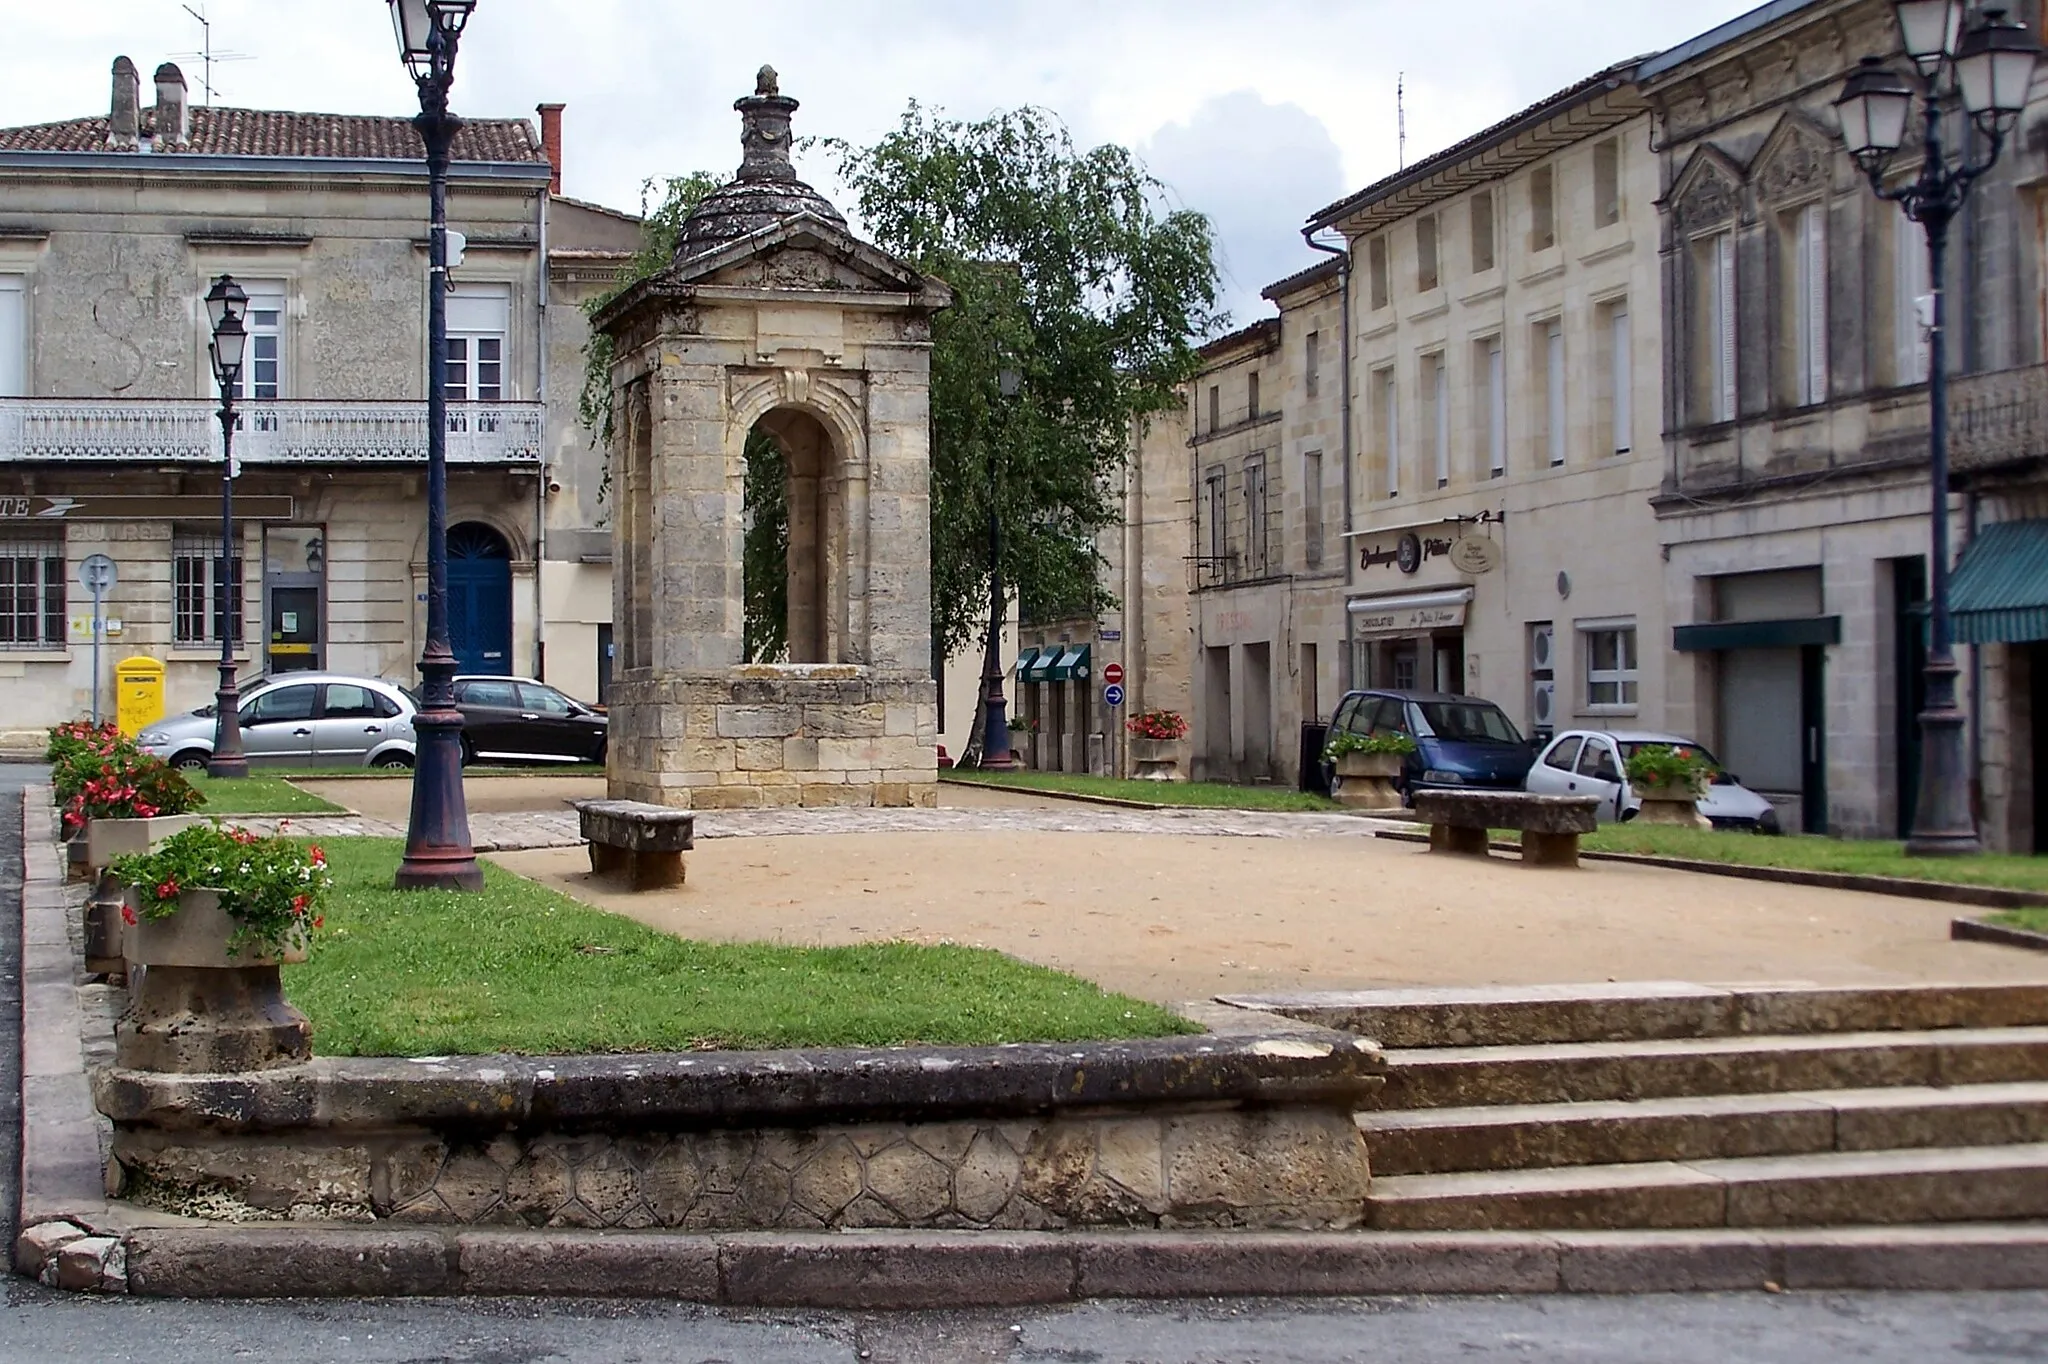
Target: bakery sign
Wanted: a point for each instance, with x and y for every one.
(1409, 552)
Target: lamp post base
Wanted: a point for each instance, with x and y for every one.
(1943, 823)
(227, 760)
(438, 855)
(996, 753)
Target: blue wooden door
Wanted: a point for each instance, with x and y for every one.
(479, 599)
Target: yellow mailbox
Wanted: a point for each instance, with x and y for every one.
(138, 693)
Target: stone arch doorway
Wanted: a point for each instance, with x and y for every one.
(793, 507)
(479, 598)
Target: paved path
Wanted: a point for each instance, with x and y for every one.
(508, 832)
(37, 1326)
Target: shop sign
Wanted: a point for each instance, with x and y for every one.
(1408, 553)
(1406, 620)
(1475, 554)
(91, 507)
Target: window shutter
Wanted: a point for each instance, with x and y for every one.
(1910, 337)
(1554, 344)
(1624, 410)
(1391, 395)
(1497, 431)
(1816, 302)
(1724, 324)
(1443, 422)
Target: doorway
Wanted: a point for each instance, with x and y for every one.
(1909, 664)
(294, 561)
(479, 599)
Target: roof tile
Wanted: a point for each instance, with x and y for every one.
(267, 132)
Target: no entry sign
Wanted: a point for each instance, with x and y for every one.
(1113, 674)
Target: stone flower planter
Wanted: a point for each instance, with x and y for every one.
(198, 1008)
(1675, 805)
(1155, 759)
(102, 842)
(1365, 781)
(107, 839)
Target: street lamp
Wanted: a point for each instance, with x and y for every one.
(438, 855)
(1985, 71)
(226, 302)
(995, 738)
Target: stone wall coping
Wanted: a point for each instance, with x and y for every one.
(785, 1089)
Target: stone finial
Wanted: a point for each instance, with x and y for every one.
(124, 116)
(766, 82)
(764, 130)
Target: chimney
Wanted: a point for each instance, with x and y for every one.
(124, 119)
(173, 127)
(551, 142)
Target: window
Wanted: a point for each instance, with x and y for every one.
(1439, 398)
(1714, 370)
(1389, 427)
(545, 700)
(1809, 281)
(1482, 232)
(1912, 307)
(479, 317)
(1553, 390)
(1610, 654)
(1607, 182)
(195, 589)
(1542, 208)
(1376, 270)
(1219, 524)
(13, 336)
(1312, 508)
(1564, 755)
(1597, 761)
(1426, 277)
(262, 375)
(1312, 364)
(1255, 526)
(1251, 396)
(32, 581)
(280, 705)
(1215, 407)
(1617, 375)
(496, 693)
(350, 701)
(1496, 419)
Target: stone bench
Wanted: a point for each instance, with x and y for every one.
(1459, 822)
(643, 843)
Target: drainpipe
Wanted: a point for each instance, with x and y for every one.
(540, 483)
(1343, 254)
(1970, 506)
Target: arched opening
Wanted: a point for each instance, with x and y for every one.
(479, 598)
(790, 500)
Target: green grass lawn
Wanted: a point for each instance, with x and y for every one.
(2033, 920)
(258, 795)
(521, 968)
(1806, 853)
(1207, 794)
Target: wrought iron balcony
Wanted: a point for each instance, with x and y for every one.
(1998, 418)
(118, 431)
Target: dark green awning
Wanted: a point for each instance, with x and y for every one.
(1025, 658)
(1999, 592)
(1042, 666)
(1757, 634)
(1072, 665)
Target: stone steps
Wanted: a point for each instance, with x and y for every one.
(1430, 1141)
(1585, 1072)
(1938, 1184)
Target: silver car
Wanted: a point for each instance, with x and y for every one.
(300, 720)
(1592, 762)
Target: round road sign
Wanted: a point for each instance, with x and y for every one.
(96, 573)
(1112, 695)
(1113, 674)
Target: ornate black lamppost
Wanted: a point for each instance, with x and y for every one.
(438, 855)
(225, 304)
(1984, 73)
(995, 738)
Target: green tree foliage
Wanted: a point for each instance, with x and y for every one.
(1070, 267)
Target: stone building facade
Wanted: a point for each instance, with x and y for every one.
(1794, 511)
(113, 228)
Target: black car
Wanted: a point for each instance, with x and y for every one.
(516, 719)
(1461, 742)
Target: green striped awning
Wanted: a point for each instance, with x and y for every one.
(1025, 658)
(1072, 665)
(1999, 592)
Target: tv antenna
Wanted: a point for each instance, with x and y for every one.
(1400, 117)
(207, 56)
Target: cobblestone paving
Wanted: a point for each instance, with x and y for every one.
(557, 828)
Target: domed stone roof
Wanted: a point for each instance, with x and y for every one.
(766, 189)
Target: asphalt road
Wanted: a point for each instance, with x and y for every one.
(37, 1325)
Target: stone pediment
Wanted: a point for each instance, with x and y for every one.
(1708, 192)
(1797, 159)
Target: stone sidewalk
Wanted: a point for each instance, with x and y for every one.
(501, 832)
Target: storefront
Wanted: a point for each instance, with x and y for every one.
(1410, 641)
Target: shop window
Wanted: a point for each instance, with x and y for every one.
(32, 584)
(1610, 664)
(195, 589)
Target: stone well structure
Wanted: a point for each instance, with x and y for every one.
(773, 317)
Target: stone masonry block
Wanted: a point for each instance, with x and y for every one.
(823, 795)
(800, 754)
(728, 798)
(986, 1178)
(903, 721)
(892, 796)
(758, 722)
(845, 722)
(759, 755)
(913, 1182)
(1235, 1162)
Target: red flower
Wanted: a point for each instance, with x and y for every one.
(167, 890)
(319, 858)
(128, 915)
(299, 903)
(320, 921)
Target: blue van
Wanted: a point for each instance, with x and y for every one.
(1461, 742)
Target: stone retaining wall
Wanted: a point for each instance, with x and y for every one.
(1206, 1131)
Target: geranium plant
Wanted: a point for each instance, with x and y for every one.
(1398, 744)
(100, 774)
(1163, 725)
(274, 888)
(1663, 765)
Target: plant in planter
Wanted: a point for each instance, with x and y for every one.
(1155, 736)
(211, 913)
(1669, 780)
(1364, 767)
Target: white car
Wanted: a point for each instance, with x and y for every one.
(299, 720)
(1591, 762)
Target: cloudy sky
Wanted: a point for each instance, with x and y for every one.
(1255, 111)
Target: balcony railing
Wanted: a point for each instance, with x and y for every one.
(1998, 418)
(56, 430)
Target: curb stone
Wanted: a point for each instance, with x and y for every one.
(2003, 935)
